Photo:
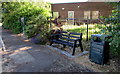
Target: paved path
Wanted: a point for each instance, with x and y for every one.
(24, 56)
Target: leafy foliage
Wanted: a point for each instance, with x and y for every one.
(36, 14)
(36, 24)
(114, 29)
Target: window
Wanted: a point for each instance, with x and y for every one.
(86, 14)
(95, 14)
(71, 17)
(55, 14)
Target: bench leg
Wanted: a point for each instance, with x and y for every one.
(64, 46)
(51, 43)
(73, 50)
(81, 47)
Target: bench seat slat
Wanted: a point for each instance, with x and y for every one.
(65, 35)
(55, 34)
(64, 42)
(68, 39)
(69, 36)
(70, 33)
(63, 32)
(75, 33)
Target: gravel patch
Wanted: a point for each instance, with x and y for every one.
(68, 49)
(65, 65)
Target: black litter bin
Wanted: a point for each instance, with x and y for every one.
(99, 49)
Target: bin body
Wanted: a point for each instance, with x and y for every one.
(99, 49)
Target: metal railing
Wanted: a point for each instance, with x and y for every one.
(87, 27)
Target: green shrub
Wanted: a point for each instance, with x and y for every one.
(16, 28)
(36, 18)
(113, 29)
(30, 31)
(15, 10)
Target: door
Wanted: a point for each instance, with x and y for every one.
(71, 17)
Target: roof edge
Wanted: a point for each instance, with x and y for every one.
(67, 3)
(79, 2)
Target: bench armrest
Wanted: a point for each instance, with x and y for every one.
(77, 39)
(54, 34)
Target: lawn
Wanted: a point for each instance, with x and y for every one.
(92, 29)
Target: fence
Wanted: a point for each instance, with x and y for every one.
(87, 27)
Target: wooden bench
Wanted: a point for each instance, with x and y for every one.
(67, 39)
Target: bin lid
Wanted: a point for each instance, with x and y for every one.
(99, 35)
(103, 36)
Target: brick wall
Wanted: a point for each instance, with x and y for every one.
(103, 8)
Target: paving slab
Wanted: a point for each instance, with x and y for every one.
(22, 57)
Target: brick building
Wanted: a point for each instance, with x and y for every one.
(77, 12)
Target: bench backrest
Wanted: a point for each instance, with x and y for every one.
(71, 35)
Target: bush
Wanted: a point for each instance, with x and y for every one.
(30, 31)
(36, 18)
(16, 28)
(113, 30)
(13, 11)
(39, 30)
